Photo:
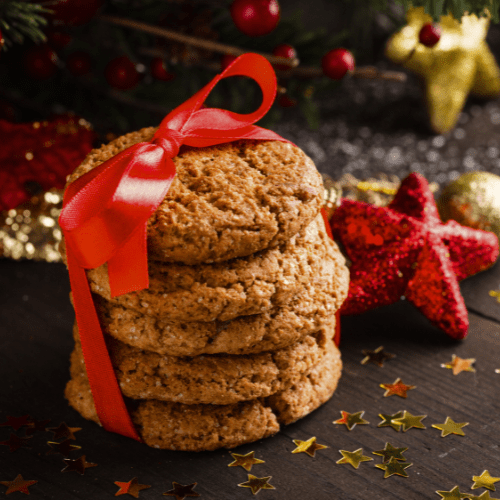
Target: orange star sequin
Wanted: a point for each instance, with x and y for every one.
(19, 484)
(180, 491)
(458, 365)
(351, 419)
(397, 388)
(131, 488)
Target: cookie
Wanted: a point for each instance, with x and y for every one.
(200, 427)
(211, 379)
(279, 327)
(238, 287)
(226, 201)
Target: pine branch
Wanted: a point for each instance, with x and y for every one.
(20, 20)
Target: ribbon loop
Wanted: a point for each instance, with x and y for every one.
(170, 140)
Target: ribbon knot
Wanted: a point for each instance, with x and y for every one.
(170, 140)
(105, 214)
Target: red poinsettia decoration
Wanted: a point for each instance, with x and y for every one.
(40, 152)
(405, 250)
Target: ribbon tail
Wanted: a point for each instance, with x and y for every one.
(128, 268)
(108, 399)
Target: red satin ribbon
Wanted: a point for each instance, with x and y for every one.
(106, 210)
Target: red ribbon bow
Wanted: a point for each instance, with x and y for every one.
(105, 213)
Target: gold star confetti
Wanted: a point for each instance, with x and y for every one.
(495, 293)
(353, 457)
(453, 494)
(483, 496)
(387, 420)
(36, 426)
(459, 365)
(17, 422)
(19, 484)
(79, 465)
(310, 446)
(351, 419)
(397, 389)
(451, 427)
(64, 448)
(63, 431)
(484, 481)
(459, 64)
(245, 461)
(407, 421)
(180, 491)
(15, 442)
(391, 452)
(393, 467)
(131, 488)
(378, 356)
(257, 483)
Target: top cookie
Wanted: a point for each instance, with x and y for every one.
(226, 201)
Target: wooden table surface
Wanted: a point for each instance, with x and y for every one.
(35, 343)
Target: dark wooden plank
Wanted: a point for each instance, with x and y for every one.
(35, 339)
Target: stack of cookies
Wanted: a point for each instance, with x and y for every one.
(235, 334)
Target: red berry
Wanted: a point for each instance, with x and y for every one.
(226, 60)
(255, 17)
(286, 101)
(58, 39)
(337, 63)
(79, 63)
(159, 70)
(429, 35)
(287, 51)
(2, 40)
(121, 73)
(40, 62)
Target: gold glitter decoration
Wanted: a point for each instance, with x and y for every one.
(451, 427)
(391, 452)
(245, 461)
(483, 496)
(485, 480)
(378, 356)
(181, 491)
(19, 484)
(495, 293)
(332, 194)
(353, 457)
(409, 421)
(350, 420)
(397, 389)
(453, 494)
(458, 365)
(31, 231)
(131, 488)
(310, 446)
(388, 420)
(393, 467)
(473, 200)
(460, 63)
(257, 483)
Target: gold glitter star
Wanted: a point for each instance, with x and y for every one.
(351, 419)
(180, 491)
(391, 452)
(63, 431)
(495, 293)
(15, 442)
(19, 484)
(17, 422)
(450, 427)
(310, 446)
(353, 457)
(257, 483)
(79, 465)
(459, 365)
(36, 426)
(453, 494)
(64, 448)
(483, 496)
(245, 461)
(387, 420)
(131, 488)
(393, 467)
(484, 481)
(397, 388)
(407, 421)
(459, 64)
(378, 356)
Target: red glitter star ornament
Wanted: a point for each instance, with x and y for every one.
(405, 250)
